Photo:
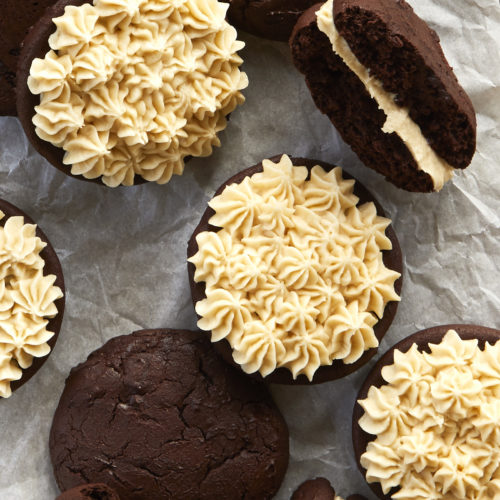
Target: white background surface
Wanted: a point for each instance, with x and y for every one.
(123, 250)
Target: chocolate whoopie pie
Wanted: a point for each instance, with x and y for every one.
(319, 489)
(16, 19)
(378, 72)
(101, 102)
(45, 300)
(157, 414)
(99, 491)
(273, 19)
(392, 261)
(423, 445)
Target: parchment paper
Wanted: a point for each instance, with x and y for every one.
(123, 251)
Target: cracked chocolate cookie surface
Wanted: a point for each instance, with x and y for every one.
(156, 414)
(98, 491)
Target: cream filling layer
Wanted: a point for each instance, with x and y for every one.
(398, 118)
(27, 299)
(295, 277)
(437, 423)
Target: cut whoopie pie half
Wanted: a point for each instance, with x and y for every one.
(279, 310)
(378, 72)
(31, 298)
(111, 92)
(424, 418)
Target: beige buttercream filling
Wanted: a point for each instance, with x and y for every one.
(437, 423)
(26, 299)
(398, 118)
(295, 277)
(133, 87)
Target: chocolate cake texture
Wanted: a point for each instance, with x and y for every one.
(99, 491)
(157, 414)
(400, 50)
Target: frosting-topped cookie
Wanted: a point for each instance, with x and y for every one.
(134, 87)
(295, 276)
(435, 420)
(27, 300)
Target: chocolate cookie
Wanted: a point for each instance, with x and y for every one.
(422, 339)
(52, 266)
(15, 22)
(97, 491)
(319, 489)
(392, 259)
(273, 19)
(156, 414)
(386, 39)
(314, 489)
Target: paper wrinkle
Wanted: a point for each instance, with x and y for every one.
(123, 251)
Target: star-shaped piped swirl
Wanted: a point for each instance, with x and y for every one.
(136, 86)
(299, 255)
(436, 423)
(27, 299)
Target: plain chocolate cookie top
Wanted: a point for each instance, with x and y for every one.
(404, 54)
(97, 491)
(156, 414)
(273, 19)
(319, 489)
(15, 21)
(314, 489)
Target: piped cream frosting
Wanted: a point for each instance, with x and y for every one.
(398, 119)
(294, 278)
(27, 299)
(437, 423)
(134, 86)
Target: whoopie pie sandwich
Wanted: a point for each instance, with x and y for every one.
(125, 92)
(31, 298)
(295, 272)
(158, 415)
(378, 72)
(426, 424)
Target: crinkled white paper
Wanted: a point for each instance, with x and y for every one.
(123, 250)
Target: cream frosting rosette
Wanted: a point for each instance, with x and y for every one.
(135, 86)
(436, 422)
(295, 277)
(27, 299)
